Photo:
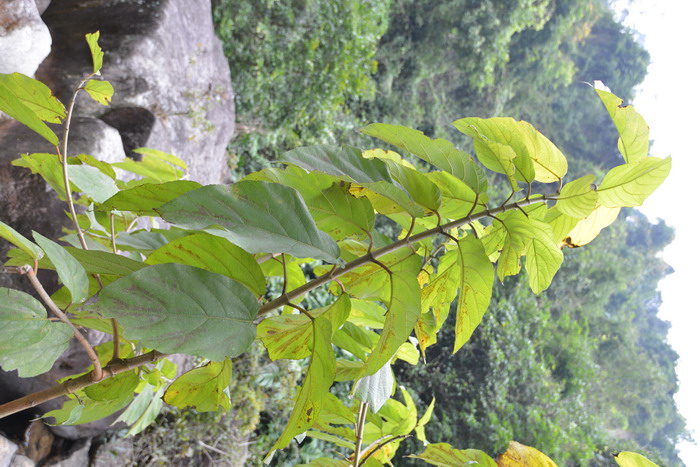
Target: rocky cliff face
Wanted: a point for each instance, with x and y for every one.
(172, 92)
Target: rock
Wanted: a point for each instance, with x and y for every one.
(78, 457)
(22, 461)
(171, 79)
(37, 442)
(26, 202)
(42, 5)
(7, 451)
(24, 38)
(116, 452)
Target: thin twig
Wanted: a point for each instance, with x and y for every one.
(96, 375)
(115, 325)
(73, 385)
(366, 457)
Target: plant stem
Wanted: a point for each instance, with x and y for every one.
(115, 325)
(95, 375)
(359, 431)
(379, 252)
(376, 448)
(73, 385)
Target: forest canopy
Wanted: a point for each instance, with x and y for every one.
(580, 371)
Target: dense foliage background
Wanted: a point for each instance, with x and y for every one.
(580, 371)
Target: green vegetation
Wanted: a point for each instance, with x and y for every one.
(336, 261)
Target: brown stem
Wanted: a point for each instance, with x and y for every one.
(379, 252)
(359, 431)
(115, 325)
(73, 385)
(96, 375)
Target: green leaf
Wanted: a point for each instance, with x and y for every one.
(289, 336)
(518, 455)
(149, 153)
(369, 281)
(444, 455)
(632, 459)
(214, 254)
(114, 387)
(518, 232)
(457, 198)
(561, 223)
(578, 198)
(340, 214)
(476, 284)
(439, 152)
(182, 309)
(29, 342)
(419, 187)
(154, 169)
(15, 108)
(143, 410)
(634, 131)
(375, 389)
(49, 167)
(628, 185)
(69, 270)
(501, 141)
(420, 426)
(92, 182)
(100, 91)
(543, 257)
(77, 412)
(143, 200)
(103, 262)
(20, 241)
(318, 380)
(204, 388)
(95, 51)
(587, 229)
(35, 95)
(257, 216)
(104, 167)
(404, 311)
(441, 290)
(345, 162)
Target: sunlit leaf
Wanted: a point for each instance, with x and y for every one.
(182, 309)
(402, 315)
(95, 50)
(475, 283)
(143, 410)
(439, 152)
(29, 342)
(340, 214)
(205, 388)
(145, 199)
(634, 131)
(417, 184)
(628, 185)
(13, 106)
(290, 336)
(518, 455)
(100, 91)
(114, 387)
(215, 254)
(319, 377)
(561, 223)
(517, 234)
(259, 217)
(425, 418)
(20, 241)
(543, 257)
(77, 412)
(150, 154)
(632, 459)
(444, 455)
(587, 229)
(578, 198)
(35, 95)
(49, 167)
(69, 270)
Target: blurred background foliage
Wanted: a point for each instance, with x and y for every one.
(581, 371)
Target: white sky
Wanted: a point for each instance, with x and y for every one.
(669, 99)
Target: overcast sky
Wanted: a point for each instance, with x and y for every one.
(669, 99)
